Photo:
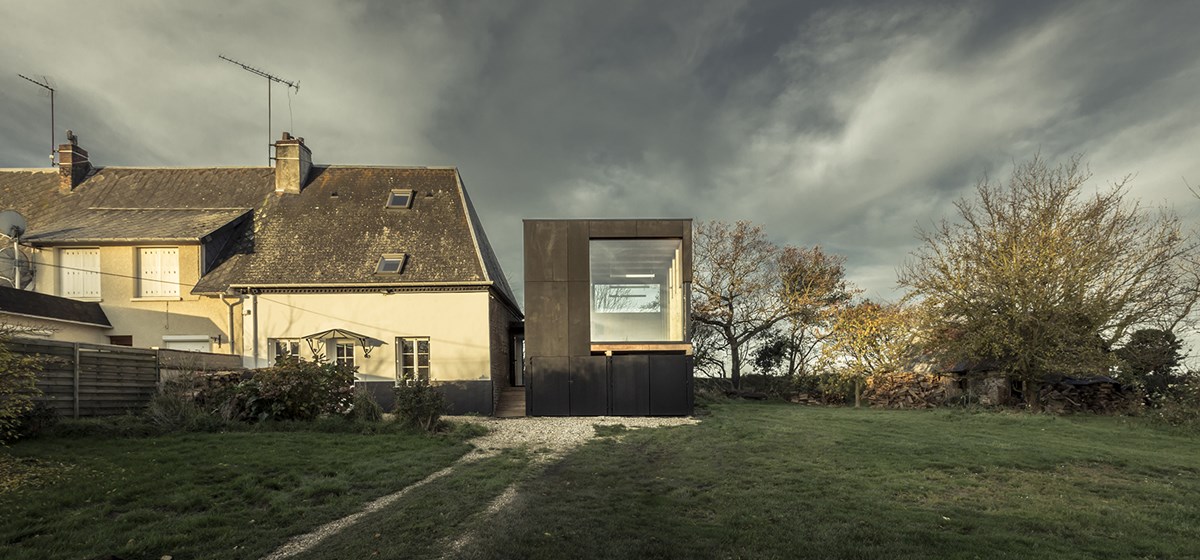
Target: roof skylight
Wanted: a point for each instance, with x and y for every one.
(400, 198)
(391, 263)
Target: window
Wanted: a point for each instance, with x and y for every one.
(121, 339)
(413, 359)
(159, 272)
(80, 277)
(637, 290)
(284, 347)
(391, 263)
(343, 354)
(400, 198)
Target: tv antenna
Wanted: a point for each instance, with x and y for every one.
(270, 78)
(46, 84)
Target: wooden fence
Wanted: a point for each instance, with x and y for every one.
(80, 379)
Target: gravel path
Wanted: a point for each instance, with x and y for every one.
(551, 437)
(546, 438)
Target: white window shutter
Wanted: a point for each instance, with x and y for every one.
(169, 271)
(160, 272)
(80, 273)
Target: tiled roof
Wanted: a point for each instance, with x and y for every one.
(333, 232)
(133, 225)
(33, 304)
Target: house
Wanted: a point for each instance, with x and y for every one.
(31, 314)
(607, 323)
(384, 268)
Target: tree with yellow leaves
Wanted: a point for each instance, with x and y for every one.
(870, 339)
(1043, 278)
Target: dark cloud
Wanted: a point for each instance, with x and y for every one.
(841, 124)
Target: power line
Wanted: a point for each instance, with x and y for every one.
(270, 78)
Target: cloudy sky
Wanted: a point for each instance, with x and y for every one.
(840, 124)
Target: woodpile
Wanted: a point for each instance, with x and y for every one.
(1097, 398)
(907, 390)
(805, 398)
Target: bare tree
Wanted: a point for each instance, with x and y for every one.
(743, 285)
(1043, 279)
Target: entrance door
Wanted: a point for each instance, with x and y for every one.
(516, 373)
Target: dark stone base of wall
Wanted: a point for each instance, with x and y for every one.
(467, 397)
(382, 391)
(462, 397)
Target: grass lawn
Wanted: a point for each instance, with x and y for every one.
(750, 481)
(782, 481)
(227, 495)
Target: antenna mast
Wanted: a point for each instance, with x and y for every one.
(46, 84)
(270, 78)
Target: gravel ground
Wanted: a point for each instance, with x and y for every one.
(552, 437)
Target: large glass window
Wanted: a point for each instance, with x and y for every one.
(637, 290)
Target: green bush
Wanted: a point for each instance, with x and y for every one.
(38, 420)
(419, 405)
(296, 389)
(173, 406)
(1181, 406)
(18, 387)
(365, 408)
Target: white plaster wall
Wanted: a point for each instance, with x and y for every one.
(46, 329)
(455, 322)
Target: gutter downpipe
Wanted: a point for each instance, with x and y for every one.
(232, 349)
(254, 320)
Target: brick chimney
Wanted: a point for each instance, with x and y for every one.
(293, 160)
(73, 164)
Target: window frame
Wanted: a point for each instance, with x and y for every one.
(418, 371)
(338, 358)
(273, 345)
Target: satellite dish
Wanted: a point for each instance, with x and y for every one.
(12, 223)
(16, 268)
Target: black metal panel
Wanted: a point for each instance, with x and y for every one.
(600, 229)
(546, 318)
(589, 386)
(578, 265)
(669, 385)
(630, 385)
(546, 250)
(661, 228)
(578, 316)
(549, 386)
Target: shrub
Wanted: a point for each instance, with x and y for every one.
(419, 405)
(365, 407)
(1181, 407)
(296, 389)
(173, 407)
(18, 387)
(39, 420)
